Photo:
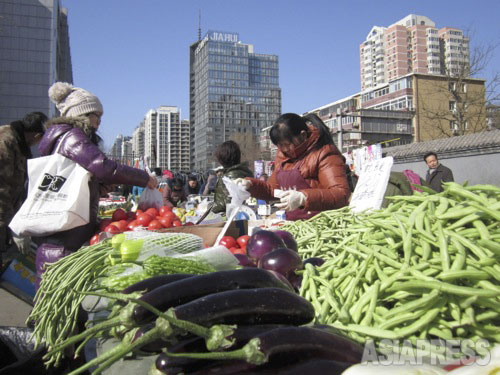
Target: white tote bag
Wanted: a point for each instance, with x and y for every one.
(58, 196)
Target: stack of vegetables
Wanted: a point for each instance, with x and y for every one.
(57, 302)
(426, 267)
(226, 322)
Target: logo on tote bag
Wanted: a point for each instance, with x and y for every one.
(52, 183)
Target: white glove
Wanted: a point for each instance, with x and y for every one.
(291, 200)
(243, 182)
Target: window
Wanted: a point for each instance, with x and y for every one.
(464, 87)
(453, 125)
(452, 86)
(453, 106)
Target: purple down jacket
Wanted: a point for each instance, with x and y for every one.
(78, 146)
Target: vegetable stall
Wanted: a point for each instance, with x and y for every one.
(309, 297)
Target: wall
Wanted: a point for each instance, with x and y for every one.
(476, 169)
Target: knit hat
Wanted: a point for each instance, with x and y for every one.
(73, 101)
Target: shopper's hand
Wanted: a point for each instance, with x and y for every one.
(244, 183)
(291, 200)
(23, 244)
(152, 183)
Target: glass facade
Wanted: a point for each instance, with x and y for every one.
(232, 90)
(34, 45)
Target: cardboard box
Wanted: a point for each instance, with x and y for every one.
(19, 278)
(209, 232)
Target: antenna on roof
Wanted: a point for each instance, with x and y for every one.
(199, 25)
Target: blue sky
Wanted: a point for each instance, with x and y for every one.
(134, 54)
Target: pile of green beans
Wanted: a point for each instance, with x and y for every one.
(58, 300)
(426, 267)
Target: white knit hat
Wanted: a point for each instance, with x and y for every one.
(73, 101)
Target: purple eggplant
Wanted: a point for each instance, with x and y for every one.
(248, 306)
(189, 289)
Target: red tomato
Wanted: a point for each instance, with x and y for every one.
(243, 240)
(138, 212)
(104, 223)
(144, 219)
(119, 214)
(177, 223)
(113, 229)
(237, 250)
(132, 225)
(94, 239)
(170, 215)
(154, 225)
(131, 215)
(123, 224)
(228, 241)
(188, 223)
(152, 211)
(166, 222)
(164, 210)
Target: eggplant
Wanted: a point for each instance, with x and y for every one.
(189, 289)
(196, 344)
(295, 350)
(248, 306)
(307, 342)
(155, 282)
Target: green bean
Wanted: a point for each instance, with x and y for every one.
(444, 287)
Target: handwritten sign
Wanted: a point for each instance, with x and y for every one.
(371, 186)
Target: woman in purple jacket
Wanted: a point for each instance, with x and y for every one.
(81, 113)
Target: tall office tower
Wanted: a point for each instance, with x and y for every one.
(411, 45)
(35, 53)
(166, 139)
(231, 90)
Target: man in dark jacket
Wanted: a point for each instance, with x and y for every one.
(437, 173)
(228, 154)
(15, 142)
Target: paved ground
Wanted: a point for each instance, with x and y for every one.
(13, 311)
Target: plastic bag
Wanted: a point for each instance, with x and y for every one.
(238, 196)
(237, 193)
(150, 198)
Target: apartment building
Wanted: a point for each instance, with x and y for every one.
(166, 139)
(138, 142)
(411, 45)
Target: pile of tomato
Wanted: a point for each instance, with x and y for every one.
(235, 245)
(151, 219)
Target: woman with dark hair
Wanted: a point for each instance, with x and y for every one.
(175, 195)
(308, 167)
(228, 154)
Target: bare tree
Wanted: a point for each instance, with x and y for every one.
(462, 94)
(249, 146)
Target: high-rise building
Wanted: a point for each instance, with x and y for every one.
(166, 139)
(411, 45)
(35, 52)
(231, 90)
(138, 142)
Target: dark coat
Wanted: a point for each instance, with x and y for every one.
(221, 195)
(440, 175)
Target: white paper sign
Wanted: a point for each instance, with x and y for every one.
(371, 186)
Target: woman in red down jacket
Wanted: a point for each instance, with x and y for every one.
(308, 167)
